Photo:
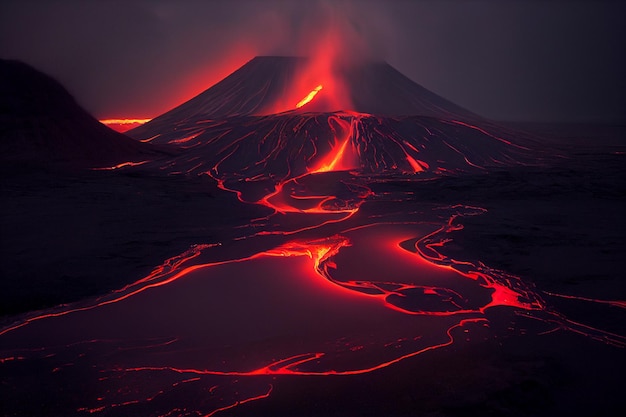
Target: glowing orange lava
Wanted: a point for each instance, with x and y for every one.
(418, 166)
(339, 158)
(309, 96)
(332, 161)
(367, 258)
(122, 125)
(121, 165)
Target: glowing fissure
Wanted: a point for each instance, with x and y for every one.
(247, 400)
(171, 270)
(614, 303)
(332, 161)
(121, 165)
(309, 96)
(184, 139)
(483, 131)
(288, 146)
(417, 167)
(338, 159)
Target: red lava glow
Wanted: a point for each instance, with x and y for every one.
(324, 67)
(363, 282)
(418, 166)
(614, 303)
(122, 125)
(330, 92)
(309, 96)
(342, 156)
(121, 165)
(402, 272)
(247, 400)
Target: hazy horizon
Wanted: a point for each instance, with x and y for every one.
(505, 60)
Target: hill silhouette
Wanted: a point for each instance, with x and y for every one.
(41, 125)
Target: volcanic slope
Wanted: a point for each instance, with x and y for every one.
(41, 125)
(256, 87)
(390, 125)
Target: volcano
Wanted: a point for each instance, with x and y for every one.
(257, 87)
(279, 118)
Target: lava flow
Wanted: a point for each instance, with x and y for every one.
(345, 273)
(309, 96)
(385, 271)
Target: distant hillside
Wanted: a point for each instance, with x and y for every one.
(41, 125)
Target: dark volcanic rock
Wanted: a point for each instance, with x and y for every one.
(41, 125)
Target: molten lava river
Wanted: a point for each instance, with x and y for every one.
(338, 297)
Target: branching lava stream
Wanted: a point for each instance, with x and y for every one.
(202, 321)
(345, 276)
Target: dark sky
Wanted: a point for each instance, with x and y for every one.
(504, 59)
